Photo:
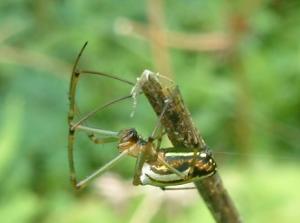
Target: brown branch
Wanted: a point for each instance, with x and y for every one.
(177, 40)
(9, 54)
(182, 132)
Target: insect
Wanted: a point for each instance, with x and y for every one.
(161, 167)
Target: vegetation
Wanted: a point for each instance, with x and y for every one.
(244, 97)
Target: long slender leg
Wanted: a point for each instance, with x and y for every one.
(107, 75)
(109, 137)
(106, 135)
(73, 85)
(157, 127)
(98, 140)
(142, 156)
(174, 170)
(71, 158)
(140, 163)
(165, 107)
(159, 139)
(71, 114)
(97, 109)
(102, 169)
(91, 131)
(74, 80)
(188, 150)
(138, 168)
(178, 188)
(162, 160)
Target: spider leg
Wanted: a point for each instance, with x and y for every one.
(158, 139)
(156, 135)
(102, 169)
(73, 85)
(141, 159)
(138, 168)
(177, 188)
(174, 170)
(97, 109)
(72, 128)
(157, 129)
(107, 136)
(99, 140)
(107, 75)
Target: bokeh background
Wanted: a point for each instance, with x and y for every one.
(237, 64)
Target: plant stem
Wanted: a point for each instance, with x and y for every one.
(182, 132)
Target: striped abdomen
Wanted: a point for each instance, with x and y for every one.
(160, 175)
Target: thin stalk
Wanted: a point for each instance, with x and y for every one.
(182, 132)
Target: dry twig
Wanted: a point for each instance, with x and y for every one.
(183, 133)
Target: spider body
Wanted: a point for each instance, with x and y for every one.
(159, 175)
(161, 167)
(155, 171)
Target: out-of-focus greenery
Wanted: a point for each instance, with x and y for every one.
(39, 41)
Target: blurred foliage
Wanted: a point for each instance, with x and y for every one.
(39, 41)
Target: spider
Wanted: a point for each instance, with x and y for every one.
(160, 167)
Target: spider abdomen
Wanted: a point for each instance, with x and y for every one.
(191, 166)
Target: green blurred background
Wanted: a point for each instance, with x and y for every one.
(238, 67)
